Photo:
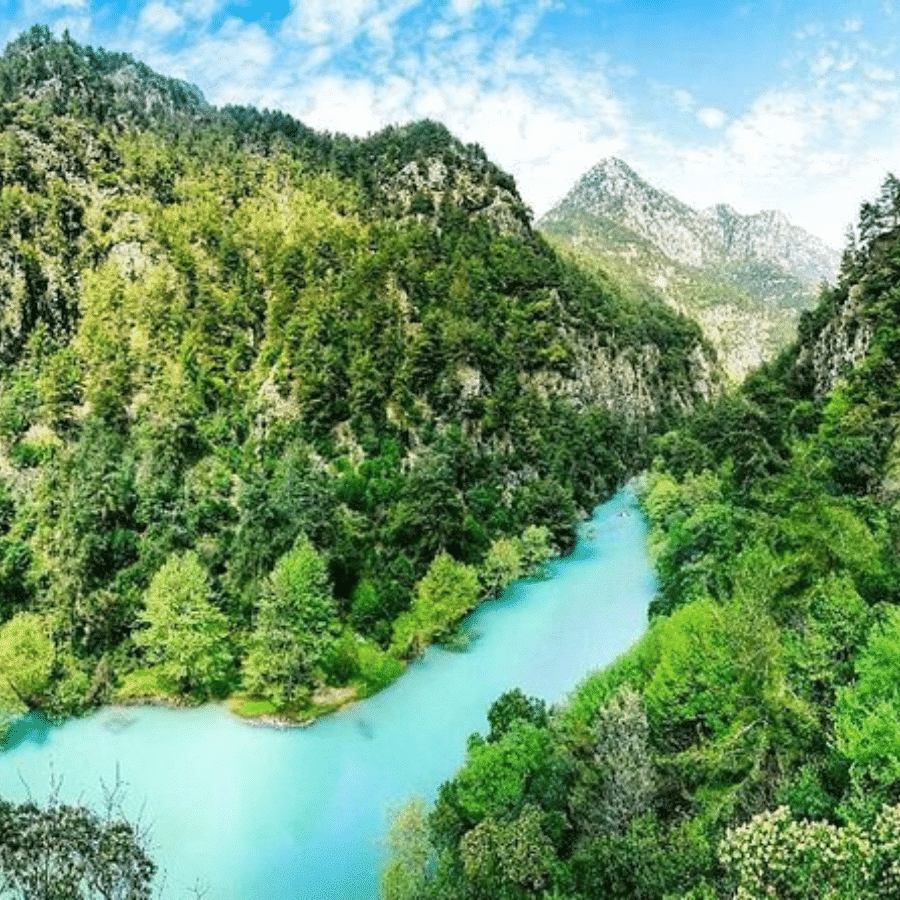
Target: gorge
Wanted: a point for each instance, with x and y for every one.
(279, 407)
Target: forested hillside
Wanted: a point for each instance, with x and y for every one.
(749, 746)
(278, 407)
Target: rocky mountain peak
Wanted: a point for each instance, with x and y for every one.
(743, 277)
(618, 197)
(612, 185)
(612, 169)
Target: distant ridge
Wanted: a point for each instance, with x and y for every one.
(743, 277)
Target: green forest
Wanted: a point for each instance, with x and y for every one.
(277, 407)
(748, 746)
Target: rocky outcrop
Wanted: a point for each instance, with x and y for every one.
(629, 381)
(842, 342)
(743, 338)
(424, 187)
(769, 237)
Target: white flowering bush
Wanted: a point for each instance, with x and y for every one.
(772, 856)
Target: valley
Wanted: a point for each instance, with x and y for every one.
(278, 408)
(281, 408)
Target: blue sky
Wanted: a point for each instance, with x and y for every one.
(794, 106)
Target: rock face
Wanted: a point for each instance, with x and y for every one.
(769, 237)
(743, 278)
(853, 321)
(842, 342)
(629, 381)
(423, 186)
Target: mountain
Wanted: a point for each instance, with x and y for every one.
(277, 406)
(743, 278)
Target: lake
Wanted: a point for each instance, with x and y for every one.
(260, 813)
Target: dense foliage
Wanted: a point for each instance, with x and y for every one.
(749, 745)
(265, 393)
(59, 850)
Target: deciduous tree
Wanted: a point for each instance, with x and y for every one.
(292, 627)
(186, 636)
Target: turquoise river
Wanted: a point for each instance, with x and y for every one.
(262, 814)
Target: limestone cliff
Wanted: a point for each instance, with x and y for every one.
(842, 342)
(631, 381)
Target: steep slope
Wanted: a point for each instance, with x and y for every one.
(743, 278)
(277, 407)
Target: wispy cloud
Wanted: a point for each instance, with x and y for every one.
(823, 64)
(160, 18)
(684, 100)
(880, 73)
(323, 22)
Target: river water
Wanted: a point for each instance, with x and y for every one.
(260, 814)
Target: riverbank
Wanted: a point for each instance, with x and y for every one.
(323, 702)
(236, 807)
(432, 620)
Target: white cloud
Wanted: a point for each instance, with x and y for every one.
(160, 18)
(439, 31)
(200, 10)
(776, 128)
(233, 64)
(465, 7)
(823, 64)
(851, 26)
(324, 22)
(712, 117)
(880, 73)
(321, 21)
(75, 19)
(809, 31)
